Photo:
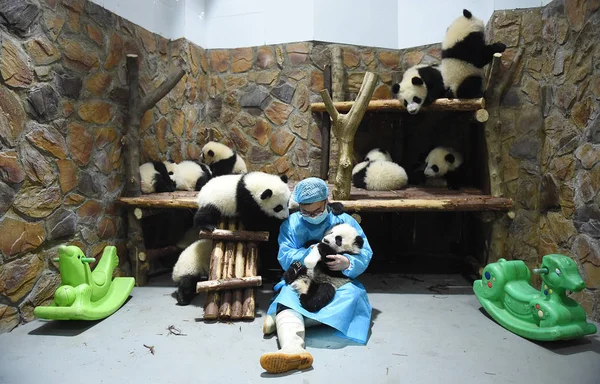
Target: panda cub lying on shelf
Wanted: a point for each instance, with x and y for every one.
(441, 168)
(314, 281)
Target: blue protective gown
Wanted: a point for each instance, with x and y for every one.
(350, 311)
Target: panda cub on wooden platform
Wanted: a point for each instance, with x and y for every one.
(420, 86)
(314, 281)
(442, 167)
(155, 177)
(222, 159)
(379, 173)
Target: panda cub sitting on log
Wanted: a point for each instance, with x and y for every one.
(314, 281)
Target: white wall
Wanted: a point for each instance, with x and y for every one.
(393, 24)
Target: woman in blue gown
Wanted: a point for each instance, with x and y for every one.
(349, 312)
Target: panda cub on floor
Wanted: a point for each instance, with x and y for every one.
(420, 85)
(464, 54)
(222, 159)
(192, 265)
(155, 177)
(442, 168)
(190, 176)
(379, 173)
(314, 281)
(259, 199)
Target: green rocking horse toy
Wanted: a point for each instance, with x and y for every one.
(546, 314)
(83, 294)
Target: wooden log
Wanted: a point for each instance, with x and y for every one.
(228, 273)
(394, 104)
(481, 115)
(240, 268)
(344, 128)
(325, 131)
(248, 307)
(142, 213)
(158, 253)
(211, 307)
(228, 284)
(152, 202)
(337, 74)
(222, 234)
(470, 203)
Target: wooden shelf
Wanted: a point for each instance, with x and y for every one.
(395, 105)
(361, 200)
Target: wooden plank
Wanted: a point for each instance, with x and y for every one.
(223, 234)
(395, 105)
(469, 203)
(231, 283)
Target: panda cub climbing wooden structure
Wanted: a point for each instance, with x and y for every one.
(464, 54)
(420, 86)
(314, 281)
(222, 159)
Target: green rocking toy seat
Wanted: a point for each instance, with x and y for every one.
(83, 294)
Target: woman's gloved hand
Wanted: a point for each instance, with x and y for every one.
(338, 262)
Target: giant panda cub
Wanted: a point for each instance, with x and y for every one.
(464, 54)
(379, 173)
(443, 168)
(192, 265)
(190, 176)
(420, 85)
(222, 159)
(155, 178)
(314, 281)
(259, 199)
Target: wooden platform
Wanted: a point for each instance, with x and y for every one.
(395, 105)
(361, 200)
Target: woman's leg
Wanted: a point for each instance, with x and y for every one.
(292, 355)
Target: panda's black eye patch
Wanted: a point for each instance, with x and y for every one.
(266, 194)
(170, 173)
(405, 103)
(417, 100)
(435, 168)
(278, 208)
(210, 153)
(338, 241)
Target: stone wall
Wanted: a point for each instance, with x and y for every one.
(551, 136)
(63, 92)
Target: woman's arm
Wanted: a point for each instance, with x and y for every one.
(360, 262)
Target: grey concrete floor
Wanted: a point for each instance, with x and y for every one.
(418, 336)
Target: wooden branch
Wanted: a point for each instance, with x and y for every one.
(225, 309)
(493, 74)
(337, 73)
(394, 104)
(153, 202)
(471, 203)
(211, 307)
(248, 306)
(500, 90)
(329, 107)
(159, 92)
(240, 267)
(222, 234)
(325, 130)
(226, 284)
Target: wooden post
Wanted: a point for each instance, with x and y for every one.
(211, 307)
(496, 89)
(240, 268)
(228, 284)
(248, 306)
(136, 108)
(344, 128)
(228, 273)
(326, 130)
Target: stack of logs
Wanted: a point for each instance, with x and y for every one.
(232, 275)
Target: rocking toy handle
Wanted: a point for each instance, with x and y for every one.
(83, 259)
(540, 270)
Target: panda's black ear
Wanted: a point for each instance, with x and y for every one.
(417, 81)
(284, 178)
(210, 153)
(395, 88)
(467, 14)
(359, 241)
(266, 194)
(450, 158)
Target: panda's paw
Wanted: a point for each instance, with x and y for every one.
(292, 272)
(301, 285)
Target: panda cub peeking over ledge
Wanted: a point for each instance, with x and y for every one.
(314, 281)
(443, 167)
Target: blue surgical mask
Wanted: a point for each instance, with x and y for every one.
(317, 219)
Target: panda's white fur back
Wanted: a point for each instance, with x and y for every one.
(257, 182)
(455, 71)
(240, 165)
(170, 166)
(460, 28)
(185, 175)
(376, 154)
(221, 192)
(358, 167)
(147, 173)
(193, 260)
(382, 175)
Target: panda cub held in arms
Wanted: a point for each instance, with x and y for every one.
(190, 176)
(464, 54)
(192, 265)
(222, 159)
(379, 173)
(443, 167)
(314, 281)
(155, 178)
(259, 199)
(421, 85)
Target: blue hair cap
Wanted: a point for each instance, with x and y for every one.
(310, 190)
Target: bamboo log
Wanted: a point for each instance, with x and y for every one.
(248, 306)
(211, 307)
(394, 104)
(240, 267)
(228, 284)
(228, 273)
(221, 234)
(470, 203)
(344, 128)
